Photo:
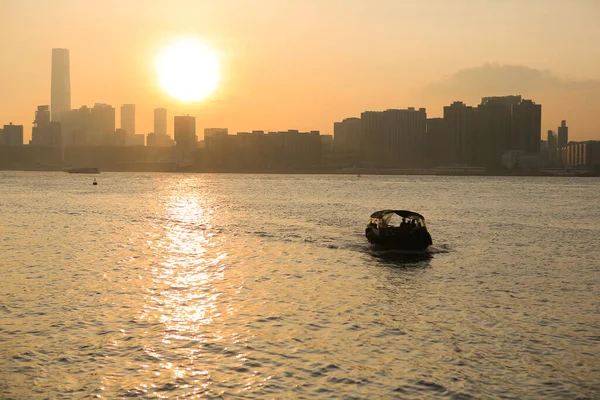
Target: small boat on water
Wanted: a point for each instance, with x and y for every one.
(94, 183)
(398, 230)
(85, 170)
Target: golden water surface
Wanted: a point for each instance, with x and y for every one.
(197, 285)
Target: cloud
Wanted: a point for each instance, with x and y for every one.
(578, 101)
(496, 79)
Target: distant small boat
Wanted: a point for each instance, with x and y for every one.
(85, 170)
(94, 183)
(398, 230)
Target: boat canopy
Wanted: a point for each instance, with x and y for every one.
(401, 213)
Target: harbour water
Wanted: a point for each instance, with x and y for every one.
(263, 286)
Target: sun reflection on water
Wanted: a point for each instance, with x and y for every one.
(184, 298)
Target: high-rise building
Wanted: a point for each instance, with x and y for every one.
(128, 119)
(102, 127)
(371, 132)
(160, 121)
(552, 147)
(526, 132)
(60, 98)
(347, 135)
(507, 123)
(563, 134)
(394, 138)
(76, 127)
(460, 128)
(213, 132)
(185, 131)
(44, 132)
(494, 121)
(12, 135)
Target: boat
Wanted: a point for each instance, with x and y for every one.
(398, 230)
(94, 183)
(85, 170)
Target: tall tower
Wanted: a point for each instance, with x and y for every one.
(185, 131)
(60, 98)
(160, 121)
(563, 134)
(128, 118)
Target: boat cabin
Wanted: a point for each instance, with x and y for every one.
(397, 219)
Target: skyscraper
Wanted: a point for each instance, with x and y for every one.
(160, 121)
(347, 135)
(460, 140)
(128, 118)
(563, 134)
(185, 131)
(61, 84)
(507, 123)
(552, 147)
(394, 138)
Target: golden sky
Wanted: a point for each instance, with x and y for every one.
(303, 64)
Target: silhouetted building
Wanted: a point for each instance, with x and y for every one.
(212, 132)
(526, 132)
(504, 100)
(44, 132)
(436, 147)
(256, 150)
(394, 138)
(507, 123)
(159, 140)
(128, 118)
(563, 134)
(185, 132)
(160, 121)
(136, 140)
(12, 135)
(76, 127)
(60, 100)
(494, 121)
(347, 135)
(552, 147)
(326, 143)
(583, 154)
(120, 138)
(461, 130)
(102, 127)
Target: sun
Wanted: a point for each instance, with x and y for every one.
(188, 70)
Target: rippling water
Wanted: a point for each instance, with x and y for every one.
(165, 285)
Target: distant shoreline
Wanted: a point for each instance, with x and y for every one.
(336, 171)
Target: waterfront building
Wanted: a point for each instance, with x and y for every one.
(552, 147)
(102, 125)
(128, 118)
(394, 137)
(45, 132)
(185, 131)
(213, 132)
(12, 136)
(159, 140)
(460, 136)
(347, 135)
(435, 147)
(563, 134)
(584, 154)
(160, 121)
(507, 123)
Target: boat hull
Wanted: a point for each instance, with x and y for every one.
(390, 239)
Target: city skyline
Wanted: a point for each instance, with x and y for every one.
(319, 73)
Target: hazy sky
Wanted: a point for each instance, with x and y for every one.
(303, 64)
